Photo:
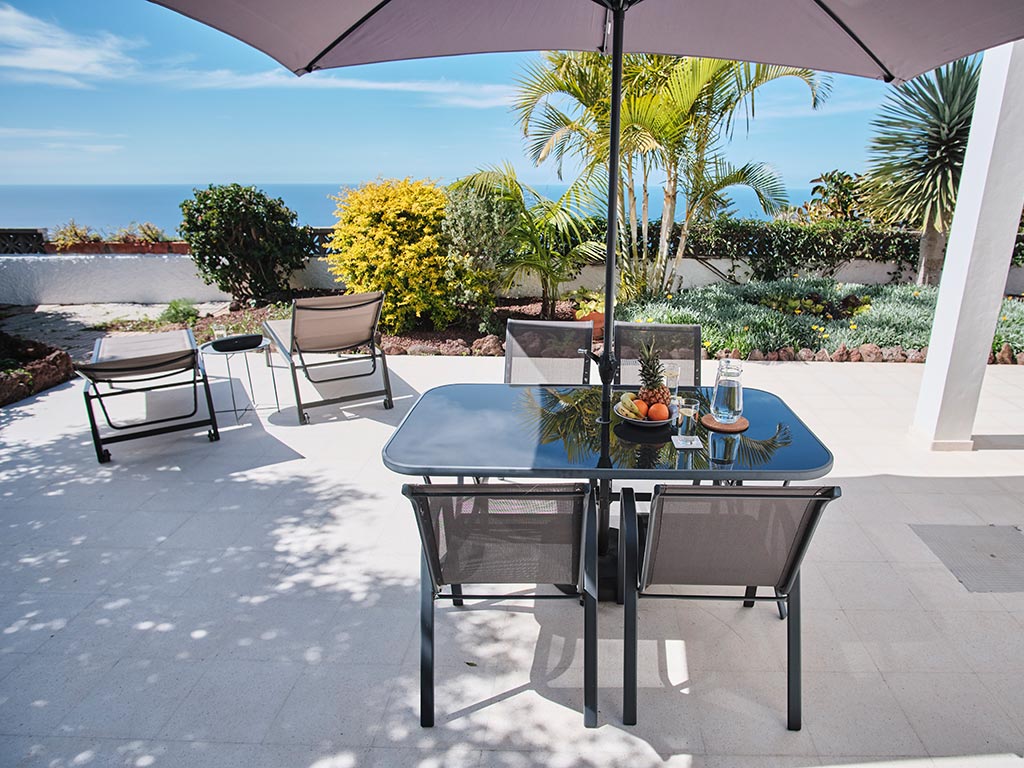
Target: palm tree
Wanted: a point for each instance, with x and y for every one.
(917, 155)
(676, 113)
(552, 236)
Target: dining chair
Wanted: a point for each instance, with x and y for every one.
(721, 537)
(548, 352)
(674, 343)
(340, 324)
(506, 534)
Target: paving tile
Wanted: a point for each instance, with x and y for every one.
(36, 695)
(954, 713)
(856, 714)
(990, 642)
(318, 713)
(28, 620)
(234, 701)
(937, 589)
(842, 542)
(869, 586)
(905, 641)
(142, 529)
(76, 569)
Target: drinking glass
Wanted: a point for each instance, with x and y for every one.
(688, 415)
(219, 331)
(672, 374)
(727, 403)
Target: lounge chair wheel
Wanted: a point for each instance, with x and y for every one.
(388, 404)
(105, 456)
(212, 436)
(304, 418)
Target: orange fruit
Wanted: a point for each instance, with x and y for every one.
(641, 406)
(658, 412)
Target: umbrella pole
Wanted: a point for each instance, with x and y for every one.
(608, 363)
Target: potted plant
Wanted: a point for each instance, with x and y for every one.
(590, 306)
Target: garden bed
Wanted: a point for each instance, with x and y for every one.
(28, 367)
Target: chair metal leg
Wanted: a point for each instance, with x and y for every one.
(590, 618)
(750, 592)
(628, 570)
(426, 646)
(102, 454)
(783, 610)
(389, 401)
(303, 416)
(794, 705)
(457, 593)
(214, 433)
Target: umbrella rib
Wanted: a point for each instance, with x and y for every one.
(887, 76)
(366, 17)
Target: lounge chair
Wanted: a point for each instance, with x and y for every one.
(340, 325)
(548, 352)
(508, 534)
(718, 536)
(123, 365)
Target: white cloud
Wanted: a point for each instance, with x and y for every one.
(38, 51)
(42, 133)
(444, 92)
(33, 50)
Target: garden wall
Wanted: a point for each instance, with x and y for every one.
(157, 278)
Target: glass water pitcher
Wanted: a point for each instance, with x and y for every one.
(727, 402)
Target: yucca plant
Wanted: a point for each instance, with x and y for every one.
(917, 154)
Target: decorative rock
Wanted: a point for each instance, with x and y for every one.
(736, 354)
(871, 353)
(772, 357)
(488, 346)
(823, 356)
(841, 355)
(755, 354)
(421, 349)
(50, 367)
(1020, 358)
(855, 356)
(915, 356)
(391, 348)
(787, 354)
(456, 347)
(894, 354)
(805, 354)
(991, 358)
(1005, 355)
(722, 354)
(704, 354)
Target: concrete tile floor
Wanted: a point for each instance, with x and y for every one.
(253, 603)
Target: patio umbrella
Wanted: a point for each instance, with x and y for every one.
(893, 40)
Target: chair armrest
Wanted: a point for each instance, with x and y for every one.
(629, 567)
(282, 348)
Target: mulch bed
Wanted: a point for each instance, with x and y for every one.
(28, 367)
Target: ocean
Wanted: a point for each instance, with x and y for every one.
(107, 208)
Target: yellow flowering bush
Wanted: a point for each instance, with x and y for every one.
(388, 238)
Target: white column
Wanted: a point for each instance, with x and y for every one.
(981, 241)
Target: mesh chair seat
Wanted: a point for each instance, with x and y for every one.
(674, 343)
(142, 363)
(719, 536)
(340, 323)
(509, 534)
(548, 352)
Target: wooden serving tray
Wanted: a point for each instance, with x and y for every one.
(740, 425)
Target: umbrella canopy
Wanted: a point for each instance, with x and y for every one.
(887, 39)
(893, 40)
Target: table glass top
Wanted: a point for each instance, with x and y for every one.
(543, 431)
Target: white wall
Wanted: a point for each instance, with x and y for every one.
(158, 278)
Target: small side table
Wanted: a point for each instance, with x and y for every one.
(262, 346)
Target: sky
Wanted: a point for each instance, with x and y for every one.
(127, 92)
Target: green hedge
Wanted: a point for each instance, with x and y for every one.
(777, 249)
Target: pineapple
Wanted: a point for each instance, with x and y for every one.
(652, 377)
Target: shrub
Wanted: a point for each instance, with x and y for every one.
(146, 232)
(388, 237)
(245, 243)
(477, 228)
(68, 235)
(180, 311)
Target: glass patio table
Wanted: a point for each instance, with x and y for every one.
(507, 430)
(517, 431)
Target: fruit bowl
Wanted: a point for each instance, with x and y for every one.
(672, 410)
